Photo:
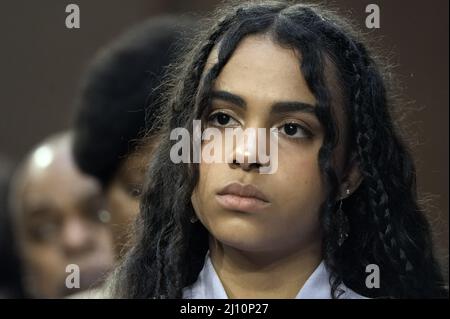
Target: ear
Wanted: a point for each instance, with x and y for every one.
(351, 180)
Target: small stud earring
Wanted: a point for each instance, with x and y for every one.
(193, 219)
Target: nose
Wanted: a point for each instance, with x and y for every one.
(245, 165)
(77, 237)
(245, 153)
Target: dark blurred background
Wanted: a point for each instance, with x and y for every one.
(41, 62)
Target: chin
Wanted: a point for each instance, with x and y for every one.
(243, 245)
(242, 236)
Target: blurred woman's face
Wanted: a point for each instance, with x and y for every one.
(123, 195)
(262, 87)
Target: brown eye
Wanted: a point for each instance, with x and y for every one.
(135, 192)
(290, 129)
(44, 232)
(294, 130)
(222, 119)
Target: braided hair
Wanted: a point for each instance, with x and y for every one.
(387, 226)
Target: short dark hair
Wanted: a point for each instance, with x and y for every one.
(118, 99)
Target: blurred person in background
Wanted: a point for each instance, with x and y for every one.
(10, 278)
(59, 220)
(117, 105)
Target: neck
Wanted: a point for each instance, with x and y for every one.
(264, 274)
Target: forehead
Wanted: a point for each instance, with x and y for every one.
(59, 184)
(262, 71)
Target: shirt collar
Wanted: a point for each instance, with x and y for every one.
(317, 286)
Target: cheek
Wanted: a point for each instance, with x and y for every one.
(298, 184)
(105, 253)
(301, 172)
(204, 191)
(44, 261)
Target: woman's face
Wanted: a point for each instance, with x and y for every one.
(262, 87)
(124, 193)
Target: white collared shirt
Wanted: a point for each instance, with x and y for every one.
(317, 286)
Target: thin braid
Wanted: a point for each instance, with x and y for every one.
(356, 57)
(379, 199)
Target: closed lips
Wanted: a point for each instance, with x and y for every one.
(243, 191)
(244, 198)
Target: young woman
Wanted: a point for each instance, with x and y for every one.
(342, 200)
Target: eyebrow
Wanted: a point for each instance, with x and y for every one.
(229, 97)
(278, 107)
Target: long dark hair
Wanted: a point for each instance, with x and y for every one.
(387, 226)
